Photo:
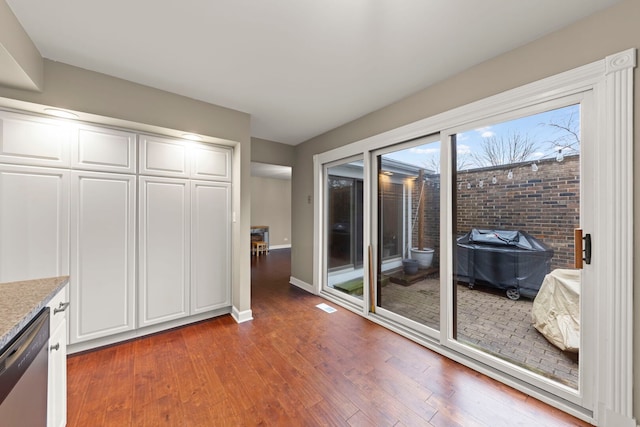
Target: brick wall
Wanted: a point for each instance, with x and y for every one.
(544, 203)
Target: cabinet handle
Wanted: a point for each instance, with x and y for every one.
(55, 347)
(62, 307)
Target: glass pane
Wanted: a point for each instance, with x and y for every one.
(409, 233)
(344, 228)
(517, 202)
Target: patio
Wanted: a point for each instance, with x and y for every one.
(489, 321)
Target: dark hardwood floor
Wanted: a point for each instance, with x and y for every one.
(293, 365)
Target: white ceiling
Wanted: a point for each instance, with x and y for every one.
(299, 67)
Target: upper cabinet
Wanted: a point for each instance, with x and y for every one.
(210, 162)
(35, 141)
(163, 157)
(104, 150)
(184, 159)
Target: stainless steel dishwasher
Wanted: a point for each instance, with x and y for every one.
(23, 375)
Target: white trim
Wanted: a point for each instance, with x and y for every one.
(615, 195)
(303, 285)
(241, 316)
(276, 247)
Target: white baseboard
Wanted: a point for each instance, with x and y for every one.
(241, 316)
(302, 285)
(272, 247)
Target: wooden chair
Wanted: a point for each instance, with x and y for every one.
(258, 247)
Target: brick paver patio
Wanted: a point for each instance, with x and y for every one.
(489, 321)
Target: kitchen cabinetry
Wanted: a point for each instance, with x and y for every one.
(181, 159)
(34, 141)
(210, 246)
(106, 150)
(164, 249)
(57, 383)
(141, 223)
(102, 286)
(34, 235)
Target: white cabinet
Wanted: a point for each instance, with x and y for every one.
(102, 287)
(57, 383)
(103, 149)
(36, 141)
(163, 285)
(210, 162)
(164, 157)
(34, 235)
(184, 159)
(210, 246)
(185, 246)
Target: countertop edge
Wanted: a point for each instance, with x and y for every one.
(33, 307)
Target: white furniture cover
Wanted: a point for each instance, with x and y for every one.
(556, 309)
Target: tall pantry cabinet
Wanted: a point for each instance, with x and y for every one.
(141, 223)
(184, 230)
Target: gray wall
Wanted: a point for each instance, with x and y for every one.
(271, 201)
(273, 153)
(607, 32)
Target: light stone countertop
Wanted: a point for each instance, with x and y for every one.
(21, 301)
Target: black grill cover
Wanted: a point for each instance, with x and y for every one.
(503, 259)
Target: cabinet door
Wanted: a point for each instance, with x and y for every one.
(163, 157)
(102, 286)
(210, 246)
(34, 141)
(164, 250)
(57, 387)
(34, 221)
(211, 162)
(103, 149)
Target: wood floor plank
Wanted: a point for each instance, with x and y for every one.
(293, 365)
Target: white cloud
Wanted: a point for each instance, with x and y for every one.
(463, 149)
(419, 150)
(485, 132)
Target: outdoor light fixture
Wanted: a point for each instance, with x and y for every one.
(468, 186)
(494, 180)
(560, 156)
(534, 167)
(510, 174)
(481, 183)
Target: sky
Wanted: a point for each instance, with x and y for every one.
(546, 138)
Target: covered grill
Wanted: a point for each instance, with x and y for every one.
(513, 261)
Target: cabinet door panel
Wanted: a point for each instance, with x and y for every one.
(164, 250)
(103, 254)
(211, 162)
(211, 246)
(103, 149)
(57, 381)
(34, 141)
(163, 157)
(34, 218)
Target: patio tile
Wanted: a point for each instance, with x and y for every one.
(486, 319)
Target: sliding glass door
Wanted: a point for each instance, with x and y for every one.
(344, 229)
(408, 233)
